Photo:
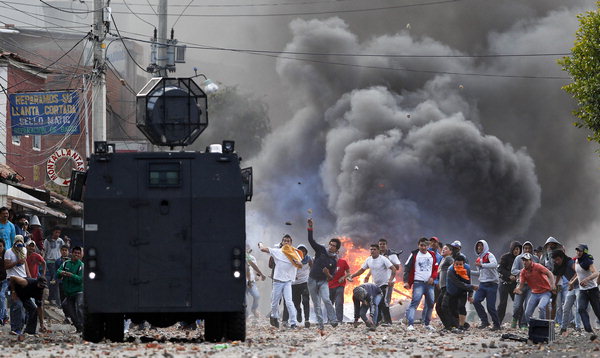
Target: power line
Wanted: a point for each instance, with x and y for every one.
(276, 54)
(125, 46)
(182, 11)
(136, 15)
(304, 13)
(69, 11)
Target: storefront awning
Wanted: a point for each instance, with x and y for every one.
(39, 207)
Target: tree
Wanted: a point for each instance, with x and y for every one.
(584, 67)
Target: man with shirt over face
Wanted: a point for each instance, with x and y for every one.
(420, 272)
(284, 274)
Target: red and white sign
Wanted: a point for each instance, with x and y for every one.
(63, 161)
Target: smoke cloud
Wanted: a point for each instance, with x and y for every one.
(422, 151)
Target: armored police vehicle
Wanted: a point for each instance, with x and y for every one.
(165, 231)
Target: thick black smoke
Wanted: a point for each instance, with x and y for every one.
(412, 153)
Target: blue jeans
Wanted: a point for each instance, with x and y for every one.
(519, 302)
(3, 289)
(283, 289)
(319, 291)
(336, 295)
(252, 290)
(53, 292)
(419, 289)
(361, 309)
(17, 314)
(487, 291)
(561, 296)
(539, 300)
(567, 309)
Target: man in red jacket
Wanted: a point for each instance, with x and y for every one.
(420, 271)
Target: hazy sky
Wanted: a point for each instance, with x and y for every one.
(436, 144)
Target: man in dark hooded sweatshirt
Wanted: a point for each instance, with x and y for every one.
(508, 281)
(564, 267)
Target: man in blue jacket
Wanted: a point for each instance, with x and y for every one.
(323, 269)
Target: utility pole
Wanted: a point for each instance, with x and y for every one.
(162, 38)
(101, 18)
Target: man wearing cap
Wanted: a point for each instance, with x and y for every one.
(27, 290)
(587, 275)
(15, 262)
(541, 283)
(7, 229)
(456, 246)
(366, 298)
(22, 226)
(520, 300)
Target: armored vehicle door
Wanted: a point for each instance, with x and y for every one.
(164, 242)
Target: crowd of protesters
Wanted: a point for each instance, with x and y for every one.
(544, 282)
(36, 271)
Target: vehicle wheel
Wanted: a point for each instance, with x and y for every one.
(114, 327)
(93, 327)
(214, 327)
(236, 326)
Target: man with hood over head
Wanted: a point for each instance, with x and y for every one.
(488, 285)
(550, 245)
(508, 281)
(520, 300)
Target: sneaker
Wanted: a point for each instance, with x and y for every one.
(372, 328)
(514, 323)
(386, 324)
(334, 324)
(496, 328)
(321, 326)
(483, 325)
(593, 337)
(356, 323)
(16, 332)
(430, 328)
(306, 324)
(293, 326)
(466, 326)
(457, 331)
(285, 323)
(274, 322)
(410, 327)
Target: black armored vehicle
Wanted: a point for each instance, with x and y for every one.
(165, 231)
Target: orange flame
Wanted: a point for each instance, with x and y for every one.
(356, 257)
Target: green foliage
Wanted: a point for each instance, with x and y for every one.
(584, 67)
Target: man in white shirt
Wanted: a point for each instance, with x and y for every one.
(283, 276)
(16, 265)
(382, 271)
(420, 272)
